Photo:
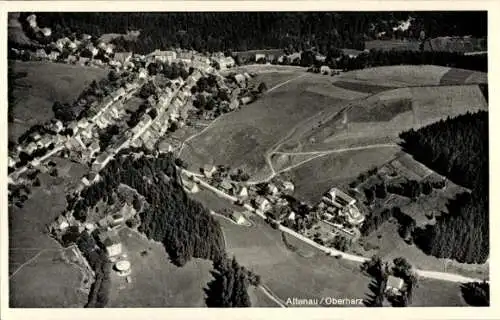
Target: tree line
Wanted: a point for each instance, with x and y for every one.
(229, 288)
(458, 149)
(241, 31)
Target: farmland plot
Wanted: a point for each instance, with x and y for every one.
(242, 138)
(399, 76)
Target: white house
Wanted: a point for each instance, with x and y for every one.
(238, 217)
(209, 170)
(394, 285)
(263, 204)
(288, 186)
(243, 193)
(272, 189)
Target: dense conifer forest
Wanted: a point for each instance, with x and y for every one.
(458, 149)
(229, 287)
(240, 31)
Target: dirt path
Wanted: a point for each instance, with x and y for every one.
(220, 117)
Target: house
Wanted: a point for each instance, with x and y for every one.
(243, 193)
(324, 70)
(53, 55)
(238, 217)
(246, 100)
(85, 181)
(338, 197)
(12, 162)
(288, 186)
(94, 177)
(163, 56)
(272, 189)
(209, 170)
(394, 285)
(62, 223)
(122, 57)
(190, 186)
(226, 186)
(31, 147)
(40, 54)
(58, 126)
(259, 56)
(240, 79)
(291, 216)
(111, 242)
(262, 204)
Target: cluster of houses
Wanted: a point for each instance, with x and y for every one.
(104, 230)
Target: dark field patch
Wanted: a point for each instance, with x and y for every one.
(455, 76)
(361, 87)
(383, 111)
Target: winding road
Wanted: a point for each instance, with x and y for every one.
(444, 276)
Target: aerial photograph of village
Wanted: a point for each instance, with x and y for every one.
(248, 159)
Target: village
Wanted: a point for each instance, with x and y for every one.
(333, 222)
(170, 105)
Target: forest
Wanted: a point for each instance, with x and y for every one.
(229, 288)
(183, 225)
(458, 149)
(241, 31)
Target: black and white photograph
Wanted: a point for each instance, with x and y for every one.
(261, 159)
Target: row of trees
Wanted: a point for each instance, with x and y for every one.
(409, 188)
(376, 58)
(229, 288)
(458, 149)
(98, 261)
(476, 293)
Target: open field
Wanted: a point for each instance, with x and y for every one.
(156, 282)
(288, 274)
(435, 293)
(272, 79)
(384, 115)
(310, 114)
(315, 177)
(28, 238)
(47, 282)
(398, 76)
(242, 138)
(44, 84)
(264, 69)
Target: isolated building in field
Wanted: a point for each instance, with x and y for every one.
(288, 186)
(238, 217)
(123, 268)
(190, 185)
(394, 285)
